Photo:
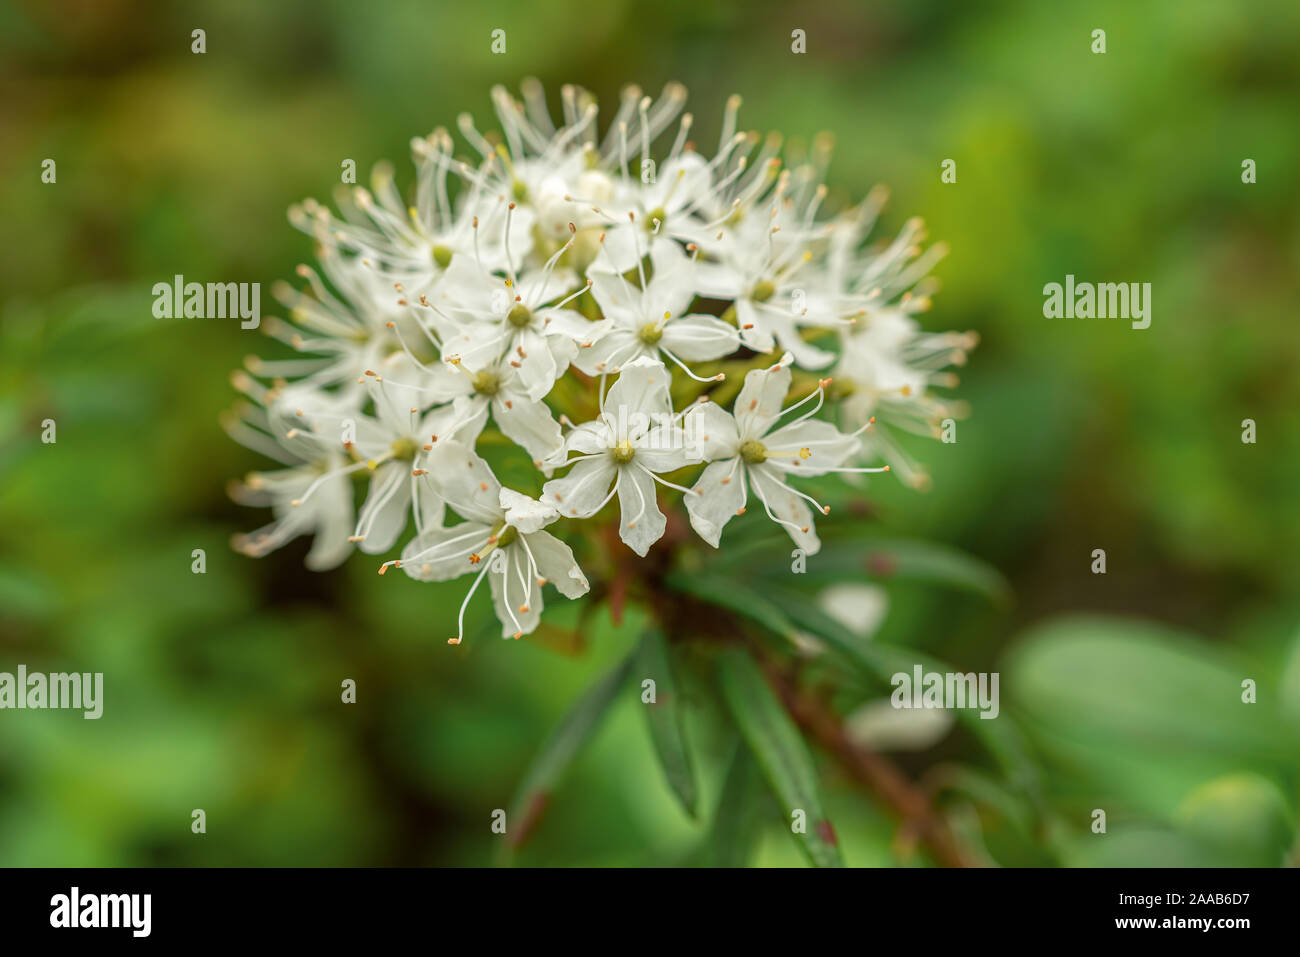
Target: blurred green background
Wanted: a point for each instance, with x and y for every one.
(222, 690)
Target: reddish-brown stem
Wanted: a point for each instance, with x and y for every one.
(871, 770)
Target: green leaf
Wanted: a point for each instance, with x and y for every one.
(667, 719)
(1143, 684)
(1001, 738)
(1141, 846)
(1244, 816)
(884, 559)
(736, 831)
(1141, 710)
(776, 609)
(780, 752)
(559, 750)
(733, 596)
(1288, 691)
(849, 554)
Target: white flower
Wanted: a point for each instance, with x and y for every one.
(416, 243)
(649, 321)
(762, 268)
(622, 451)
(312, 495)
(339, 335)
(392, 445)
(665, 209)
(501, 537)
(509, 288)
(328, 517)
(496, 385)
(887, 362)
(887, 365)
(483, 317)
(749, 446)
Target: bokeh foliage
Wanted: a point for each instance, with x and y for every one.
(222, 690)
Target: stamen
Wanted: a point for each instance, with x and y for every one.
(460, 618)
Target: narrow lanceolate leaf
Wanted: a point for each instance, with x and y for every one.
(1002, 738)
(735, 830)
(558, 752)
(777, 609)
(876, 559)
(781, 755)
(734, 596)
(666, 718)
(909, 560)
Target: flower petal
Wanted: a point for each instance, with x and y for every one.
(515, 593)
(753, 327)
(537, 366)
(642, 386)
(527, 423)
(789, 509)
(716, 497)
(641, 524)
(699, 338)
(664, 449)
(615, 347)
(556, 564)
(827, 447)
(711, 431)
(465, 481)
(526, 514)
(761, 399)
(441, 554)
(387, 508)
(580, 493)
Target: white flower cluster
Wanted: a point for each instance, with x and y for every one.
(565, 273)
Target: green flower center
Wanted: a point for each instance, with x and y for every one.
(442, 256)
(506, 536)
(623, 453)
(519, 315)
(753, 452)
(486, 383)
(650, 333)
(763, 290)
(404, 449)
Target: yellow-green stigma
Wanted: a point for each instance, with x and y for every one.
(763, 290)
(842, 388)
(657, 215)
(442, 256)
(506, 536)
(403, 449)
(650, 333)
(519, 189)
(753, 452)
(623, 453)
(519, 315)
(486, 383)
